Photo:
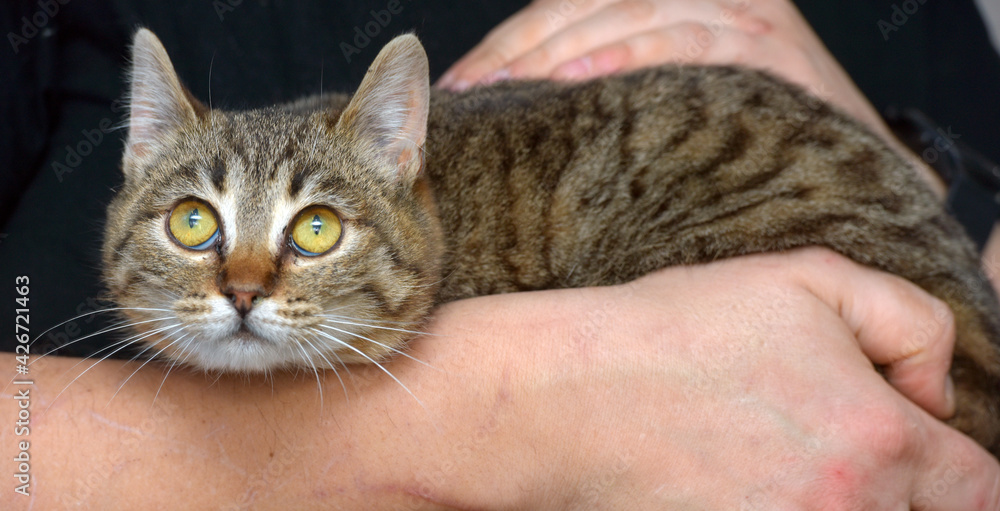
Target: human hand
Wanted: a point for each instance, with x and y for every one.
(588, 38)
(742, 384)
(579, 39)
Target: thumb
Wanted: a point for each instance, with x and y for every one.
(897, 324)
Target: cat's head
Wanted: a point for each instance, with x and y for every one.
(247, 241)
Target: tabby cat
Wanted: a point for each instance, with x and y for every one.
(322, 232)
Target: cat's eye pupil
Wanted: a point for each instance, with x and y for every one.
(316, 225)
(315, 230)
(192, 224)
(193, 218)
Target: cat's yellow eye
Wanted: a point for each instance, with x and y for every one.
(193, 224)
(315, 230)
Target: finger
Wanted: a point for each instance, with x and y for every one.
(612, 23)
(897, 325)
(501, 45)
(518, 34)
(647, 25)
(680, 43)
(956, 473)
(582, 27)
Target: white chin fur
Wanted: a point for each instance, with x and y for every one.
(268, 342)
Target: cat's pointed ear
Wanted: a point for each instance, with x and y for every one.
(158, 103)
(390, 107)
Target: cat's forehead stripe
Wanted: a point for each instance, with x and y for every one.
(217, 172)
(287, 155)
(299, 175)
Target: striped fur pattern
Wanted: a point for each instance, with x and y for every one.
(521, 186)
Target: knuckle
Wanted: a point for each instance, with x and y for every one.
(629, 51)
(944, 317)
(541, 57)
(537, 26)
(752, 24)
(935, 328)
(702, 34)
(888, 434)
(693, 40)
(496, 57)
(952, 474)
(822, 256)
(635, 10)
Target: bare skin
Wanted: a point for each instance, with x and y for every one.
(641, 396)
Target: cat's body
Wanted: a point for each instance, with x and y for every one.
(524, 186)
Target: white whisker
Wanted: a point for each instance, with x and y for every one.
(331, 366)
(172, 364)
(373, 324)
(114, 309)
(390, 348)
(132, 340)
(148, 360)
(384, 370)
(319, 384)
(117, 326)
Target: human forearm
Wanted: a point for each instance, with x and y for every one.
(205, 444)
(641, 396)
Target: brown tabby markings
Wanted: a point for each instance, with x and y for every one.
(525, 186)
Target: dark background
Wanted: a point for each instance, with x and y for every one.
(65, 83)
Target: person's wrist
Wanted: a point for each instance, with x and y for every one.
(557, 353)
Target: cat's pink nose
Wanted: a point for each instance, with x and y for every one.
(243, 301)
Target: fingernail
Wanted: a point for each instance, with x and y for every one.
(445, 80)
(949, 394)
(496, 76)
(574, 69)
(460, 85)
(758, 26)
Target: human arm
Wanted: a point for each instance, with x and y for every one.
(643, 396)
